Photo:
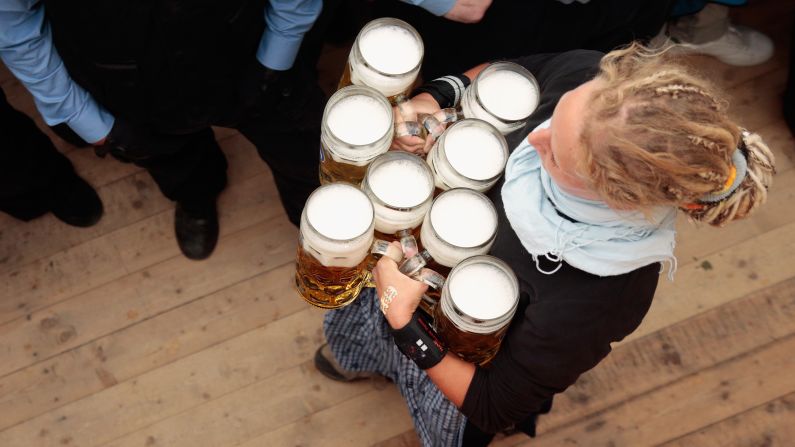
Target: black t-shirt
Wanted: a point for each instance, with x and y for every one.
(566, 320)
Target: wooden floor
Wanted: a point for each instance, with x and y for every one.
(108, 336)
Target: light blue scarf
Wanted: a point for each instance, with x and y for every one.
(603, 241)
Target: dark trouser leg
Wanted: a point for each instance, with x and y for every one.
(193, 174)
(31, 169)
(287, 138)
(514, 28)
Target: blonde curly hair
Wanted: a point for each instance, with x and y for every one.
(657, 134)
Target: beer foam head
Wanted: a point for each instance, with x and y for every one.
(359, 119)
(399, 180)
(507, 94)
(463, 218)
(483, 290)
(390, 49)
(401, 183)
(339, 211)
(475, 151)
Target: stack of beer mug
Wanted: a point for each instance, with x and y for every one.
(371, 196)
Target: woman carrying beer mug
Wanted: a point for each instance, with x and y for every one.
(586, 222)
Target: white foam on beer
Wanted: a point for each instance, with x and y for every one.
(358, 120)
(390, 49)
(463, 218)
(339, 211)
(482, 291)
(401, 183)
(474, 152)
(508, 95)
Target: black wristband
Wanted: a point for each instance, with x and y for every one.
(447, 90)
(418, 341)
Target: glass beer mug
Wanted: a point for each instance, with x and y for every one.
(461, 223)
(386, 56)
(478, 302)
(400, 185)
(356, 128)
(336, 233)
(471, 153)
(504, 94)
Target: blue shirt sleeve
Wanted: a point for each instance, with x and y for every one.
(435, 7)
(287, 21)
(27, 50)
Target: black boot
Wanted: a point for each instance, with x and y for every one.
(75, 202)
(196, 229)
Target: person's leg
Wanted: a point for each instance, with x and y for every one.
(706, 25)
(35, 178)
(193, 174)
(710, 31)
(287, 138)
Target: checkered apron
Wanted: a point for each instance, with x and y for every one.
(358, 335)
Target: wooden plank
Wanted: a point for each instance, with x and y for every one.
(152, 343)
(76, 270)
(696, 401)
(365, 420)
(671, 354)
(655, 361)
(127, 200)
(720, 278)
(140, 295)
(179, 386)
(757, 103)
(282, 399)
(769, 424)
(696, 241)
(406, 439)
(243, 204)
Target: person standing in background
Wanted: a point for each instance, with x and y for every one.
(704, 27)
(36, 179)
(461, 34)
(145, 80)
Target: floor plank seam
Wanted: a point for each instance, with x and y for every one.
(162, 261)
(569, 424)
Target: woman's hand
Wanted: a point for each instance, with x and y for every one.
(405, 293)
(420, 105)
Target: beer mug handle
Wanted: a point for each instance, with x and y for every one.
(430, 277)
(407, 128)
(432, 126)
(408, 243)
(448, 115)
(383, 248)
(411, 266)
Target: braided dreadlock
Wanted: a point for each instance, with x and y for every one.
(657, 134)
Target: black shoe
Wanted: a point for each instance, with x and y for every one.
(197, 232)
(329, 367)
(76, 203)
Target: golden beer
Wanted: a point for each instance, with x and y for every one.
(356, 128)
(478, 302)
(386, 56)
(470, 154)
(504, 94)
(336, 233)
